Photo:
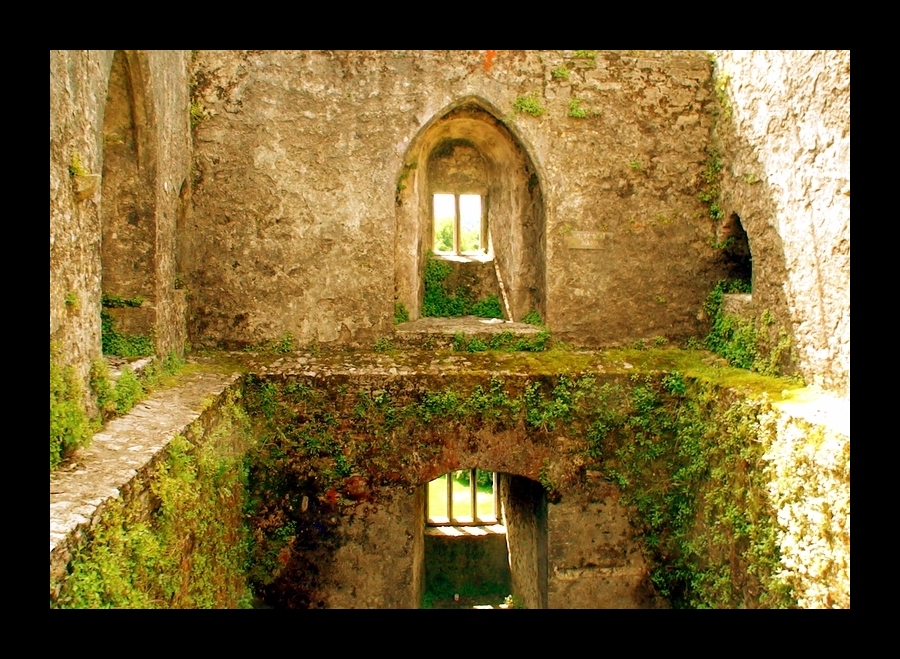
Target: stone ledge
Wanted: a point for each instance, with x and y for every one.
(124, 449)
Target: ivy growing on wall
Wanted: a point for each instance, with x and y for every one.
(439, 302)
(754, 344)
(685, 453)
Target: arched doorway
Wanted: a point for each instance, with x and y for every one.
(128, 250)
(467, 154)
(485, 537)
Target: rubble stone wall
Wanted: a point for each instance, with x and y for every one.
(303, 154)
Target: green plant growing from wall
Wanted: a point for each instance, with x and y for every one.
(70, 426)
(529, 104)
(586, 54)
(575, 109)
(73, 303)
(745, 343)
(560, 72)
(401, 314)
(709, 184)
(119, 344)
(533, 318)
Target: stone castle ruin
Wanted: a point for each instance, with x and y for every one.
(612, 287)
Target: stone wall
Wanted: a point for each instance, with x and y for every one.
(786, 133)
(302, 159)
(151, 95)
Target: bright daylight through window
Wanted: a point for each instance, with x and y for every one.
(466, 496)
(458, 226)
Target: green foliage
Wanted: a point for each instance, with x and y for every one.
(709, 184)
(533, 318)
(560, 72)
(443, 235)
(745, 343)
(122, 345)
(586, 54)
(438, 302)
(190, 550)
(118, 399)
(401, 315)
(690, 467)
(636, 166)
(112, 301)
(70, 426)
(529, 104)
(128, 391)
(487, 308)
(575, 109)
(383, 345)
(685, 453)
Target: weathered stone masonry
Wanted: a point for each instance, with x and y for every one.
(299, 204)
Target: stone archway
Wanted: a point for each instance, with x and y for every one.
(129, 240)
(466, 148)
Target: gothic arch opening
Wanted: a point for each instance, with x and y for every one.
(128, 252)
(466, 151)
(736, 249)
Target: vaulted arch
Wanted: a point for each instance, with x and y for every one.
(129, 241)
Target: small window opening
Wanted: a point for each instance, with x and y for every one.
(463, 497)
(458, 224)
